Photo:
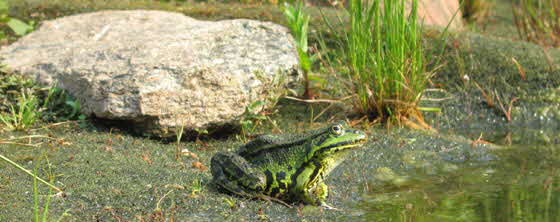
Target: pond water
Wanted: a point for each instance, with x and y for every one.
(522, 184)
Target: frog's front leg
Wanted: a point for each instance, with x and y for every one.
(233, 173)
(317, 194)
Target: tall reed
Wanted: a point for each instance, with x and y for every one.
(538, 21)
(385, 58)
(298, 22)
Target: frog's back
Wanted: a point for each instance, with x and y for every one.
(273, 141)
(278, 150)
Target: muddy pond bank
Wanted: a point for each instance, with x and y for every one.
(112, 175)
(109, 175)
(492, 84)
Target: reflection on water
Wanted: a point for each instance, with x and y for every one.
(522, 185)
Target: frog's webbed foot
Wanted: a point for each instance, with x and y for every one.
(317, 195)
(233, 173)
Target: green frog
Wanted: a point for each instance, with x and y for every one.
(286, 168)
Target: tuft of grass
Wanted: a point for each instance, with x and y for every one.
(384, 60)
(55, 105)
(538, 21)
(298, 22)
(23, 103)
(178, 152)
(24, 114)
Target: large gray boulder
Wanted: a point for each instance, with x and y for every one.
(159, 70)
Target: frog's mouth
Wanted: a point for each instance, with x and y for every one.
(344, 145)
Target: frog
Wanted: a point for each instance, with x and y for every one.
(286, 168)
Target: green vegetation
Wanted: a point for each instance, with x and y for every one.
(260, 111)
(61, 106)
(24, 103)
(36, 209)
(384, 60)
(34, 175)
(17, 26)
(24, 115)
(298, 22)
(45, 215)
(11, 86)
(477, 10)
(538, 21)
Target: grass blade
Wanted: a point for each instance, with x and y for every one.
(29, 173)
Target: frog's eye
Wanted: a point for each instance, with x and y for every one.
(337, 129)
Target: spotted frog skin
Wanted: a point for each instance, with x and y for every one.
(287, 168)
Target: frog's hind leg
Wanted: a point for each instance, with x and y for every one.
(233, 173)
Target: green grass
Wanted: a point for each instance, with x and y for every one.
(34, 175)
(25, 104)
(36, 210)
(384, 60)
(23, 115)
(298, 22)
(538, 21)
(37, 215)
(59, 106)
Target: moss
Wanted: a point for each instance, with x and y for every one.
(107, 173)
(481, 72)
(489, 62)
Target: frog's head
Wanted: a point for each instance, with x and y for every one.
(334, 142)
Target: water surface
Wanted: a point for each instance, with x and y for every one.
(521, 184)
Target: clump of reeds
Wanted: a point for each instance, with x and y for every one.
(384, 57)
(538, 21)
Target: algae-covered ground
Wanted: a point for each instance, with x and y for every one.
(479, 166)
(111, 175)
